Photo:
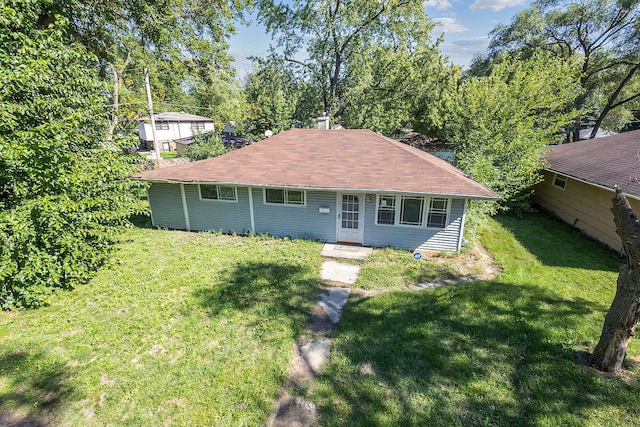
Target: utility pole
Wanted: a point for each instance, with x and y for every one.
(156, 148)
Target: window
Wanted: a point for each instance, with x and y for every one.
(411, 213)
(166, 146)
(437, 217)
(284, 197)
(197, 125)
(560, 181)
(386, 210)
(218, 192)
(162, 125)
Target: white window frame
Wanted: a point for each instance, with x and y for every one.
(197, 126)
(426, 205)
(286, 198)
(378, 206)
(564, 178)
(422, 213)
(208, 199)
(446, 212)
(162, 125)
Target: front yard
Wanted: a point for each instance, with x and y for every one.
(197, 329)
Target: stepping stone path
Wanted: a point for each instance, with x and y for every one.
(311, 354)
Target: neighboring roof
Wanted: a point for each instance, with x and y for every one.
(177, 117)
(602, 133)
(329, 159)
(418, 140)
(606, 162)
(232, 141)
(176, 161)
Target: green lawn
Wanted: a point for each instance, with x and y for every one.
(197, 329)
(506, 352)
(180, 328)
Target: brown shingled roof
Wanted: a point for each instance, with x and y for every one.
(329, 159)
(609, 161)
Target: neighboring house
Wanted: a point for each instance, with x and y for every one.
(171, 127)
(229, 141)
(579, 183)
(430, 145)
(330, 185)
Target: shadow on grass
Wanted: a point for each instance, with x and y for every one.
(269, 289)
(38, 388)
(478, 354)
(555, 243)
(140, 221)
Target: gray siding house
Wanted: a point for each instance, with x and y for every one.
(330, 185)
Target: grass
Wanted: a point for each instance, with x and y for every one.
(508, 351)
(169, 154)
(179, 328)
(197, 329)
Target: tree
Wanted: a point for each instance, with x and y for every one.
(601, 34)
(623, 315)
(204, 146)
(182, 42)
(63, 192)
(500, 123)
(366, 63)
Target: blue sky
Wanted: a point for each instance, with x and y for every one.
(465, 24)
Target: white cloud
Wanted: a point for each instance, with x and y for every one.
(461, 51)
(438, 4)
(495, 5)
(450, 25)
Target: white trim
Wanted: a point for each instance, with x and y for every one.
(426, 206)
(339, 190)
(153, 223)
(297, 205)
(251, 215)
(361, 218)
(562, 177)
(463, 219)
(184, 208)
(207, 199)
(448, 213)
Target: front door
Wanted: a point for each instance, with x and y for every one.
(350, 218)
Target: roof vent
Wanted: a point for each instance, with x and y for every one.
(323, 122)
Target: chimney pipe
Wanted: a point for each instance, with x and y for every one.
(323, 122)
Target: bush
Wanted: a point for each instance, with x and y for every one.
(205, 145)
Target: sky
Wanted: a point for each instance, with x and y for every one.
(464, 23)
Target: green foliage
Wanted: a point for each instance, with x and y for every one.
(601, 36)
(62, 189)
(371, 64)
(501, 123)
(205, 145)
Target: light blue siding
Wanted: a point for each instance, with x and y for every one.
(297, 221)
(165, 202)
(218, 215)
(414, 237)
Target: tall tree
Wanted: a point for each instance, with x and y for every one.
(62, 191)
(623, 315)
(370, 63)
(500, 123)
(183, 42)
(602, 34)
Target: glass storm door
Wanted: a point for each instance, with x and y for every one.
(349, 218)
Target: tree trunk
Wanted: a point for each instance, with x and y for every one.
(622, 318)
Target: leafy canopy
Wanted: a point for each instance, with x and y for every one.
(366, 63)
(501, 123)
(62, 190)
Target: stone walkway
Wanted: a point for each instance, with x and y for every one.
(311, 352)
